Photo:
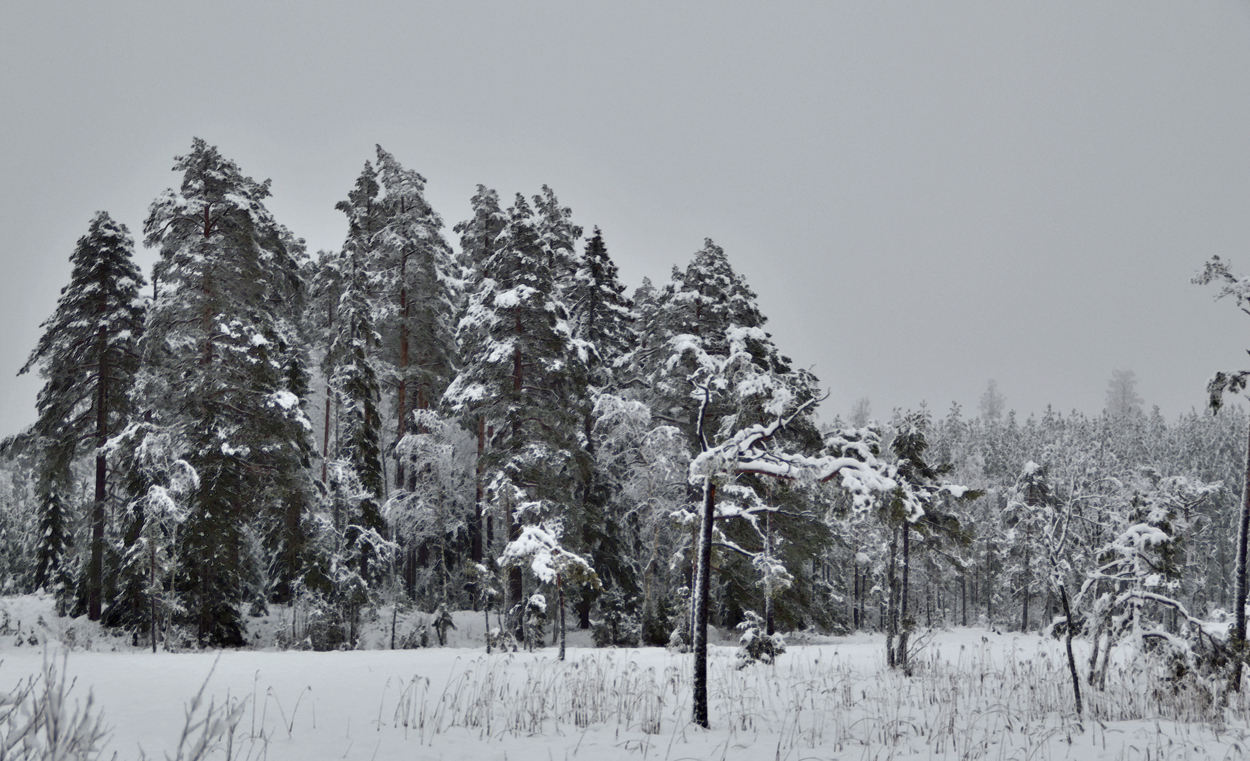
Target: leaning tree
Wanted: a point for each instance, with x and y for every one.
(1239, 288)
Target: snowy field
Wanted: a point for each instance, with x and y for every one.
(975, 694)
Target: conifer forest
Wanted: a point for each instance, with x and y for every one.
(478, 419)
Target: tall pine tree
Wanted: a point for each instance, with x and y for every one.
(522, 378)
(228, 374)
(88, 354)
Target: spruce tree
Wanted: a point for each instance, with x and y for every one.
(351, 369)
(88, 354)
(602, 323)
(602, 315)
(479, 239)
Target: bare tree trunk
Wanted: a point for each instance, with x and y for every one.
(768, 592)
(1069, 625)
(855, 599)
(905, 624)
(702, 593)
(152, 592)
(95, 572)
(486, 612)
(475, 539)
(1028, 581)
(1239, 594)
(560, 594)
(891, 605)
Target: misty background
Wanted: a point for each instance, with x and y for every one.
(925, 196)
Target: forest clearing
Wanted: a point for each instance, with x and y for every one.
(974, 694)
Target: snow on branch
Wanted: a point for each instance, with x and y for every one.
(539, 547)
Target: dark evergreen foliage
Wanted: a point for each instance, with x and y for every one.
(89, 358)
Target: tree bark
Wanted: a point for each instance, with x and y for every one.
(891, 609)
(768, 592)
(401, 409)
(1239, 595)
(1069, 625)
(563, 628)
(1028, 581)
(702, 593)
(95, 572)
(904, 628)
(475, 534)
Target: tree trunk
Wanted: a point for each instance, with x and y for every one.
(855, 599)
(95, 573)
(400, 402)
(475, 533)
(904, 623)
(702, 593)
(325, 434)
(486, 612)
(769, 626)
(891, 605)
(1028, 580)
(560, 595)
(1069, 625)
(1239, 594)
(152, 592)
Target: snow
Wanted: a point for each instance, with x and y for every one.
(284, 399)
(975, 694)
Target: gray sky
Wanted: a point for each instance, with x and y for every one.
(925, 195)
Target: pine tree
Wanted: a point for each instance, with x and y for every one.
(730, 455)
(228, 375)
(522, 378)
(479, 239)
(89, 357)
(692, 320)
(412, 266)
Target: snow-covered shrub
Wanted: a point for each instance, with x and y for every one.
(657, 620)
(442, 623)
(416, 636)
(619, 626)
(535, 620)
(756, 645)
(679, 639)
(502, 639)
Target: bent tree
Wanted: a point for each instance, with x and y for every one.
(1239, 288)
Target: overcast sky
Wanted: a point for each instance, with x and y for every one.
(925, 195)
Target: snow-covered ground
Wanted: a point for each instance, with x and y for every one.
(975, 694)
